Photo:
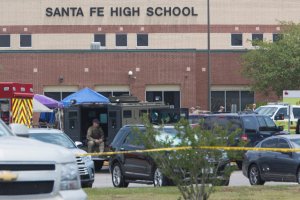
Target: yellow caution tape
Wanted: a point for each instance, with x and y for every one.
(189, 147)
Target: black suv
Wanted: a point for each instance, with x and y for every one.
(252, 127)
(140, 167)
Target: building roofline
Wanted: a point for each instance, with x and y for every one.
(125, 51)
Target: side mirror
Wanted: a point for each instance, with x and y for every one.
(280, 128)
(78, 144)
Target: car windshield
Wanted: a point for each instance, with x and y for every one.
(54, 138)
(269, 111)
(4, 130)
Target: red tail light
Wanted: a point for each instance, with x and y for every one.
(244, 137)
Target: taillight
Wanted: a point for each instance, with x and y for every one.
(244, 137)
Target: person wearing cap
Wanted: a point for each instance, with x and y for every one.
(95, 137)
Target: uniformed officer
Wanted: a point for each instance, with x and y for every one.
(95, 137)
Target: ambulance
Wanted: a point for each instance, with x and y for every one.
(284, 114)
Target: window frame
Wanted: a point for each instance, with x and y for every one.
(116, 38)
(137, 40)
(9, 41)
(30, 41)
(233, 34)
(255, 39)
(268, 140)
(278, 37)
(277, 144)
(100, 34)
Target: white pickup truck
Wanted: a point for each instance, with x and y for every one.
(31, 169)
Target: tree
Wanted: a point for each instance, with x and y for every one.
(275, 66)
(194, 168)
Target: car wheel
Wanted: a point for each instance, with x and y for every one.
(254, 176)
(159, 179)
(117, 176)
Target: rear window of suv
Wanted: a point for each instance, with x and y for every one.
(250, 122)
(231, 123)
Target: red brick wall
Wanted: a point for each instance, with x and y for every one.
(111, 68)
(104, 69)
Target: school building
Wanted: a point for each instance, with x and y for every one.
(156, 50)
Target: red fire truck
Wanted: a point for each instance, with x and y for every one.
(16, 103)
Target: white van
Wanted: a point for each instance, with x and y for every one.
(30, 169)
(276, 111)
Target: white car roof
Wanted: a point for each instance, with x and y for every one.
(280, 106)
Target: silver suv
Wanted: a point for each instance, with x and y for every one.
(30, 169)
(85, 163)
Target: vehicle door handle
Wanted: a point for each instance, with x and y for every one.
(259, 155)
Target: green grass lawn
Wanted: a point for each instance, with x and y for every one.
(222, 193)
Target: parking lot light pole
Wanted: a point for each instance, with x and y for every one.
(208, 56)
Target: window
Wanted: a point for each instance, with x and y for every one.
(282, 143)
(127, 114)
(237, 39)
(100, 38)
(171, 98)
(271, 143)
(25, 40)
(296, 112)
(114, 93)
(261, 121)
(134, 139)
(57, 95)
(121, 40)
(250, 123)
(142, 40)
(4, 40)
(277, 37)
(232, 99)
(270, 122)
(282, 111)
(256, 38)
(242, 99)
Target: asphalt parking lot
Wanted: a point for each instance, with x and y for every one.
(103, 180)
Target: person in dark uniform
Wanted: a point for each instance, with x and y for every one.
(95, 137)
(298, 127)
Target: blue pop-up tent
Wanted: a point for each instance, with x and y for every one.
(84, 96)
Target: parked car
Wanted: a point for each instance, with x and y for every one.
(262, 166)
(30, 169)
(53, 136)
(140, 167)
(250, 127)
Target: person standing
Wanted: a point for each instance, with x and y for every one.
(253, 107)
(222, 109)
(95, 137)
